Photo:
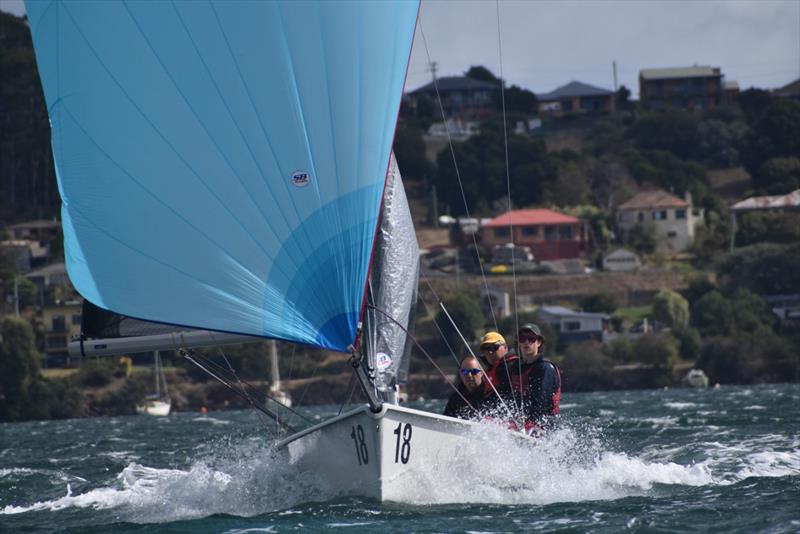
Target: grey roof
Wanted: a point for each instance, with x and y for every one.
(47, 270)
(574, 89)
(560, 311)
(703, 71)
(455, 83)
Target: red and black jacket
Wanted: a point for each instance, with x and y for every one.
(535, 387)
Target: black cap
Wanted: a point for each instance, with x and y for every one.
(531, 327)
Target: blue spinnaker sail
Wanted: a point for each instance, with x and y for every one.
(222, 164)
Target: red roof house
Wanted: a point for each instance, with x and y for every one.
(551, 235)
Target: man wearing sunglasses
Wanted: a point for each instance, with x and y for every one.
(468, 399)
(496, 356)
(534, 381)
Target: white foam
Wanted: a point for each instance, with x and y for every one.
(680, 405)
(565, 466)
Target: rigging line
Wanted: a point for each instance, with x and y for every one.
(458, 173)
(308, 384)
(189, 355)
(350, 386)
(508, 172)
(480, 365)
(244, 390)
(414, 339)
(435, 323)
(508, 192)
(222, 371)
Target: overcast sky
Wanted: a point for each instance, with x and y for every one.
(546, 44)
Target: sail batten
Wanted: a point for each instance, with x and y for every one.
(222, 163)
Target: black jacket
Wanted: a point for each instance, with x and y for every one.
(456, 407)
(536, 387)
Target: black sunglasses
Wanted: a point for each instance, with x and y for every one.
(472, 372)
(492, 348)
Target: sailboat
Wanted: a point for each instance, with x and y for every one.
(159, 402)
(275, 391)
(226, 167)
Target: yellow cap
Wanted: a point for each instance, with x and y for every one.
(491, 338)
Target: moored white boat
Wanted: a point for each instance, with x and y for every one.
(154, 407)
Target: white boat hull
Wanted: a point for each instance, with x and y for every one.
(154, 407)
(381, 455)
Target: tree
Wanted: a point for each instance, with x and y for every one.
(521, 100)
(776, 134)
(743, 312)
(660, 350)
(19, 367)
(409, 149)
(672, 131)
(764, 268)
(599, 303)
(623, 95)
(671, 309)
(479, 72)
(777, 176)
(464, 308)
(642, 238)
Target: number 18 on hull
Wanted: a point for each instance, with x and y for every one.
(383, 455)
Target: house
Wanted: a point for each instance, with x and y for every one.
(462, 97)
(573, 325)
(621, 260)
(24, 254)
(61, 321)
(671, 218)
(43, 231)
(790, 90)
(775, 203)
(576, 97)
(549, 234)
(50, 277)
(698, 87)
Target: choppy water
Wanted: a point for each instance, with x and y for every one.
(678, 460)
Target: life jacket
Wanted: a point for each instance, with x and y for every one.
(491, 372)
(518, 380)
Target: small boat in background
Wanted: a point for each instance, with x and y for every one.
(159, 402)
(696, 378)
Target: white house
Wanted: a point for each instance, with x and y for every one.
(573, 325)
(673, 219)
(621, 259)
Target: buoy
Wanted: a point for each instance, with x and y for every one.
(203, 409)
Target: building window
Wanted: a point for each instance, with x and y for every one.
(572, 326)
(550, 233)
(502, 232)
(56, 342)
(641, 217)
(59, 323)
(680, 214)
(530, 231)
(660, 215)
(564, 232)
(76, 319)
(672, 234)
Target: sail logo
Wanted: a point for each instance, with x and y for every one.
(301, 178)
(383, 361)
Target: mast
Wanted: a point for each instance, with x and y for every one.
(273, 366)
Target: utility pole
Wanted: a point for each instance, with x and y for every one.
(614, 67)
(432, 66)
(16, 295)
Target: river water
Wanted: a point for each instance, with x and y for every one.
(724, 460)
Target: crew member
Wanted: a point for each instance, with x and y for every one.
(535, 382)
(495, 353)
(466, 402)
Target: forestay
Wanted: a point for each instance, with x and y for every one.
(222, 164)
